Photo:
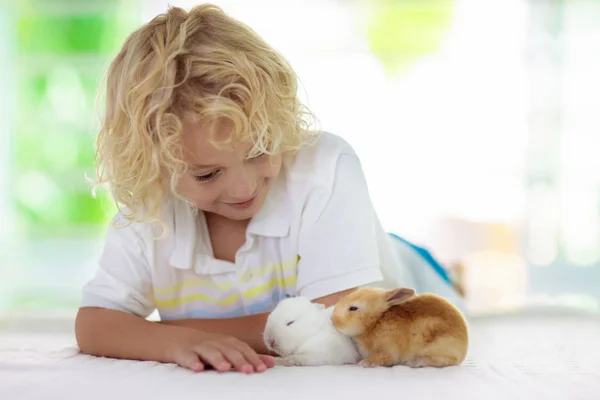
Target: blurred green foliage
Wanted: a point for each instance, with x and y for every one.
(64, 34)
(403, 31)
(63, 49)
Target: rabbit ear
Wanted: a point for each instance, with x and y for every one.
(399, 296)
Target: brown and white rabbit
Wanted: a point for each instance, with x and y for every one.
(398, 327)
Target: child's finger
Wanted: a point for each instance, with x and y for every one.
(214, 357)
(269, 361)
(249, 354)
(236, 358)
(191, 361)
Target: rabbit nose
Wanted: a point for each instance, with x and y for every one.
(272, 343)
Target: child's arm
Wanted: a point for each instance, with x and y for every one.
(117, 334)
(112, 319)
(247, 329)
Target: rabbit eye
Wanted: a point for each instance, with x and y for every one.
(353, 308)
(289, 323)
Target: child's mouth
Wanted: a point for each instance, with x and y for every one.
(243, 204)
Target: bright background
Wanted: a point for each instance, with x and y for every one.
(477, 122)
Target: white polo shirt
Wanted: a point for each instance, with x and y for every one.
(315, 235)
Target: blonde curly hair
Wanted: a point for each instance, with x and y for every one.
(201, 64)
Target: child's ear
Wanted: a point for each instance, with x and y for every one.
(399, 296)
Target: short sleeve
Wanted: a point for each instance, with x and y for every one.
(338, 241)
(122, 281)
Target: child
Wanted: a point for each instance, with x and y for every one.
(228, 202)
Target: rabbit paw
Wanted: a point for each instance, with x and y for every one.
(376, 360)
(367, 364)
(293, 361)
(437, 362)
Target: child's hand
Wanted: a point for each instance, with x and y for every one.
(196, 350)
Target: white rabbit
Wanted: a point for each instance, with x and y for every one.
(302, 333)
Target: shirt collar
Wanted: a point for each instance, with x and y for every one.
(185, 234)
(192, 245)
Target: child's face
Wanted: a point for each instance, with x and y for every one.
(223, 181)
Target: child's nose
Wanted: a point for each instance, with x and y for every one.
(243, 188)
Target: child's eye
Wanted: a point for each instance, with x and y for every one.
(206, 177)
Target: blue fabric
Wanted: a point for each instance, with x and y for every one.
(441, 271)
(427, 275)
(424, 273)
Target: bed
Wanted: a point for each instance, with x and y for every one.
(524, 356)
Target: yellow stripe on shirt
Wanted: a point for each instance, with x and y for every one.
(225, 285)
(268, 269)
(178, 301)
(232, 299)
(188, 283)
(267, 286)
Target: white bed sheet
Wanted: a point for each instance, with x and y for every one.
(516, 357)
